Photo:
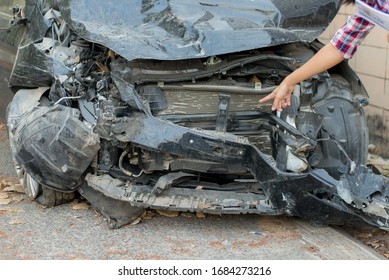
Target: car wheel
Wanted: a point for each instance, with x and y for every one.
(31, 187)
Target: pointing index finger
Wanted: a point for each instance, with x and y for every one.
(268, 97)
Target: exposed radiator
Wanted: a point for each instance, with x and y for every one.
(167, 102)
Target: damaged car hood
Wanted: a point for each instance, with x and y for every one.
(182, 29)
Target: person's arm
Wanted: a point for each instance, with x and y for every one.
(324, 59)
(342, 46)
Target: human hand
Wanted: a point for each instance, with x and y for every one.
(281, 96)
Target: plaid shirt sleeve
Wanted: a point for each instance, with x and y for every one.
(350, 35)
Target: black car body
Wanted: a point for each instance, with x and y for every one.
(154, 104)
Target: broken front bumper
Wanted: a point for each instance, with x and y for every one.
(56, 148)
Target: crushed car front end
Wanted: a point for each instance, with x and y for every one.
(156, 106)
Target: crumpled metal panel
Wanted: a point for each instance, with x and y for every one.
(169, 29)
(178, 29)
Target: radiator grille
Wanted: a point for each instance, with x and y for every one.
(200, 102)
(185, 102)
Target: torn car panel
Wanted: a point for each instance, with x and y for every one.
(167, 30)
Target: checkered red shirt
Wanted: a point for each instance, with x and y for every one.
(354, 31)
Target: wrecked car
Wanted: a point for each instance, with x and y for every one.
(154, 105)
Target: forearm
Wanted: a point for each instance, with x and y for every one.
(324, 59)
